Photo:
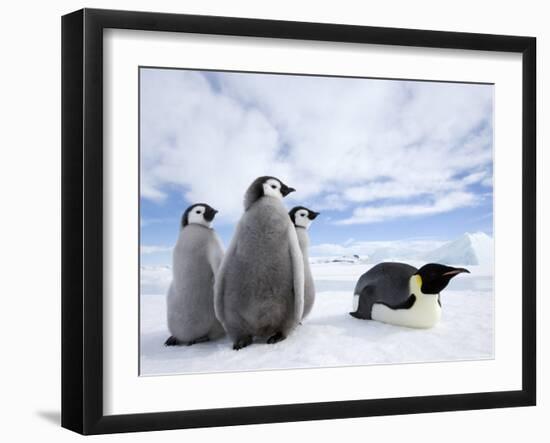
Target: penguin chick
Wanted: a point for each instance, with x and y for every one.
(259, 290)
(195, 260)
(400, 294)
(265, 186)
(302, 217)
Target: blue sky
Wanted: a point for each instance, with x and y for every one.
(382, 160)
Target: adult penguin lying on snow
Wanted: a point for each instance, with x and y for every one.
(400, 294)
(259, 289)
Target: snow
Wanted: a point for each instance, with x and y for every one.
(377, 251)
(330, 337)
(155, 279)
(339, 259)
(470, 249)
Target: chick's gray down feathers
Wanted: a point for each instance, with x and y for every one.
(190, 302)
(259, 290)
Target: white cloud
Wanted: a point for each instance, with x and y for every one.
(487, 181)
(397, 189)
(154, 249)
(207, 145)
(149, 221)
(443, 203)
(340, 143)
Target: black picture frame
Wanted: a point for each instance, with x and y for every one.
(82, 219)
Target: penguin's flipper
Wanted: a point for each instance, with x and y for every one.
(364, 304)
(297, 272)
(405, 304)
(219, 307)
(172, 341)
(218, 293)
(215, 254)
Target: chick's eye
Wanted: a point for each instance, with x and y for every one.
(198, 212)
(274, 187)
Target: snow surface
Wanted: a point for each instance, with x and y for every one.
(470, 249)
(330, 337)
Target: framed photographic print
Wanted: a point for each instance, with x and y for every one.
(269, 221)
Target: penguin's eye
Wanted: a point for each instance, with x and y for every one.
(274, 187)
(197, 212)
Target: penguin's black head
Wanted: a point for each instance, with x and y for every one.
(265, 186)
(199, 213)
(302, 216)
(436, 277)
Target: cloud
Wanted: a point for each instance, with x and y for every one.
(208, 146)
(444, 203)
(402, 189)
(487, 181)
(154, 249)
(342, 143)
(150, 221)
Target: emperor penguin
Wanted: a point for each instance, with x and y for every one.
(302, 217)
(195, 260)
(400, 294)
(259, 289)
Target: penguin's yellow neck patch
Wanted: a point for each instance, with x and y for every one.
(415, 284)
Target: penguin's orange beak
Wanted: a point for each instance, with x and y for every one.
(455, 272)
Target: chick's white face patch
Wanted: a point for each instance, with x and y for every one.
(196, 216)
(272, 188)
(301, 219)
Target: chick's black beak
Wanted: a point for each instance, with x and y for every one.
(313, 215)
(285, 190)
(209, 214)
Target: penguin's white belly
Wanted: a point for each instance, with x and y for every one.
(424, 313)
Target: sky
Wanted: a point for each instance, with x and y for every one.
(384, 161)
